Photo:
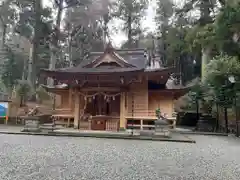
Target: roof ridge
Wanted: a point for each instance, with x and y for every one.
(121, 50)
(120, 57)
(133, 49)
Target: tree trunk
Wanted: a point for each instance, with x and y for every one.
(4, 32)
(55, 41)
(206, 57)
(104, 35)
(217, 118)
(24, 69)
(52, 64)
(129, 30)
(35, 44)
(70, 50)
(30, 66)
(54, 47)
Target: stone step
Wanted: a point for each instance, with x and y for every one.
(50, 126)
(47, 124)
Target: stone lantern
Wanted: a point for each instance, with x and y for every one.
(162, 126)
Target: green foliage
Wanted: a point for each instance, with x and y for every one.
(176, 44)
(199, 37)
(158, 112)
(7, 12)
(197, 92)
(131, 13)
(12, 67)
(23, 90)
(227, 25)
(42, 94)
(200, 98)
(164, 12)
(218, 72)
(228, 18)
(220, 68)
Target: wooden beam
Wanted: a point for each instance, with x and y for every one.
(108, 89)
(70, 98)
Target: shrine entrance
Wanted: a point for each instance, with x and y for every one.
(106, 105)
(103, 109)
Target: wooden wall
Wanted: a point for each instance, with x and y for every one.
(145, 102)
(140, 98)
(160, 100)
(62, 100)
(58, 101)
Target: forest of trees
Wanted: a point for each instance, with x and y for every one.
(188, 36)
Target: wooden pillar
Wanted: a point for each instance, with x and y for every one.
(122, 111)
(76, 110)
(69, 105)
(70, 99)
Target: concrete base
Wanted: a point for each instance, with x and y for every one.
(175, 137)
(34, 130)
(122, 129)
(146, 133)
(165, 133)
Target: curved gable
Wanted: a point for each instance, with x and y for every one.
(109, 58)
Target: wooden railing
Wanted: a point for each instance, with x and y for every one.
(63, 111)
(141, 121)
(60, 115)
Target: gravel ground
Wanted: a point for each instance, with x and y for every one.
(63, 158)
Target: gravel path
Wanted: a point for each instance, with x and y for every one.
(63, 158)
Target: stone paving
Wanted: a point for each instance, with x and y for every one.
(68, 158)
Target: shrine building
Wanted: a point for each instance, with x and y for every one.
(113, 90)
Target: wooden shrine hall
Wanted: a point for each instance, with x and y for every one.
(112, 90)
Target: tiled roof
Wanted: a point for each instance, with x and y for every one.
(136, 57)
(134, 60)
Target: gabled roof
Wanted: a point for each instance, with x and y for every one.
(111, 61)
(129, 58)
(109, 55)
(134, 60)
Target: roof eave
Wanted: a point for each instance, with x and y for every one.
(66, 74)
